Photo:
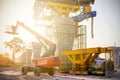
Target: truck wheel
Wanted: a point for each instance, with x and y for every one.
(24, 70)
(51, 72)
(37, 71)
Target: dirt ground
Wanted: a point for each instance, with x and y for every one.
(14, 73)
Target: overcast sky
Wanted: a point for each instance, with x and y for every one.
(106, 23)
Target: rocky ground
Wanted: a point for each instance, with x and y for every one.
(14, 73)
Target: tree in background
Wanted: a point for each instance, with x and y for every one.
(15, 45)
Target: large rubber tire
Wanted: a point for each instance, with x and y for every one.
(37, 71)
(24, 70)
(51, 72)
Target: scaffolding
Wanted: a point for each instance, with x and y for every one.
(82, 37)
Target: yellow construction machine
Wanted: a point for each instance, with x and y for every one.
(88, 61)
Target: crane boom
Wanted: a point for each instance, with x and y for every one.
(45, 64)
(52, 46)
